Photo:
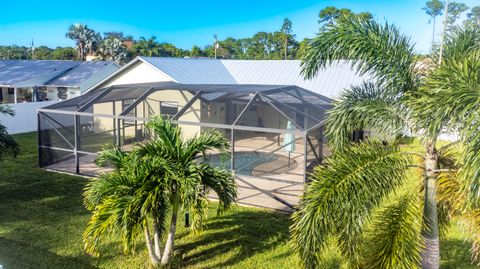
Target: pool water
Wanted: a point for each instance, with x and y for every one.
(245, 162)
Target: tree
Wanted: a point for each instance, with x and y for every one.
(8, 146)
(455, 9)
(196, 51)
(433, 9)
(14, 52)
(146, 47)
(87, 40)
(473, 17)
(361, 197)
(64, 53)
(113, 49)
(303, 48)
(331, 15)
(42, 53)
(155, 180)
(286, 31)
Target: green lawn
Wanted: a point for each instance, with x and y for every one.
(42, 219)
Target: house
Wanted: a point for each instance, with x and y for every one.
(272, 117)
(27, 85)
(23, 81)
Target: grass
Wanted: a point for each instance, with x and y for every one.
(42, 219)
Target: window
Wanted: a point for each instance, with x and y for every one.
(11, 90)
(168, 108)
(24, 95)
(62, 93)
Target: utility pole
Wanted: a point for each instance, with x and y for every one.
(215, 45)
(443, 33)
(32, 47)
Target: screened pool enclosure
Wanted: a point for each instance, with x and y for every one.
(275, 131)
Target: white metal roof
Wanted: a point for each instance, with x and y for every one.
(79, 74)
(27, 73)
(329, 82)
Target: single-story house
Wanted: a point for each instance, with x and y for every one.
(23, 81)
(273, 118)
(27, 85)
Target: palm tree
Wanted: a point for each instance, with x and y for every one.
(113, 49)
(7, 144)
(157, 178)
(365, 198)
(147, 47)
(85, 38)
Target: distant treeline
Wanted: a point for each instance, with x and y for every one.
(281, 44)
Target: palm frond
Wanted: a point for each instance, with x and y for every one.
(208, 140)
(361, 107)
(116, 156)
(372, 48)
(7, 143)
(394, 239)
(452, 97)
(460, 42)
(472, 221)
(341, 197)
(6, 110)
(222, 183)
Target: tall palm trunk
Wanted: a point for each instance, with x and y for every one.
(433, 34)
(431, 253)
(156, 238)
(171, 231)
(151, 252)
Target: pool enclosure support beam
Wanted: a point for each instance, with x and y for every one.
(281, 112)
(47, 118)
(77, 142)
(137, 101)
(292, 108)
(305, 160)
(329, 100)
(114, 123)
(232, 150)
(39, 140)
(187, 105)
(303, 100)
(245, 109)
(313, 148)
(232, 136)
(96, 98)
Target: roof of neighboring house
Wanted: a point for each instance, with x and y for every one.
(27, 73)
(328, 82)
(79, 74)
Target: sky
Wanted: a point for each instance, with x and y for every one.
(194, 22)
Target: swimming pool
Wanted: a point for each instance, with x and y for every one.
(254, 163)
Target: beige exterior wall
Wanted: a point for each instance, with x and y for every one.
(182, 98)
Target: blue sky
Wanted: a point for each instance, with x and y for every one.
(189, 22)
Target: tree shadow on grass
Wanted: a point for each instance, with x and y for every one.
(240, 235)
(455, 253)
(23, 255)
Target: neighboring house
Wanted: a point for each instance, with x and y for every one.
(27, 85)
(23, 81)
(329, 82)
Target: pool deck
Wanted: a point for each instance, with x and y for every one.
(273, 185)
(271, 193)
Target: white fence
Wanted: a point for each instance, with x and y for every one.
(25, 119)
